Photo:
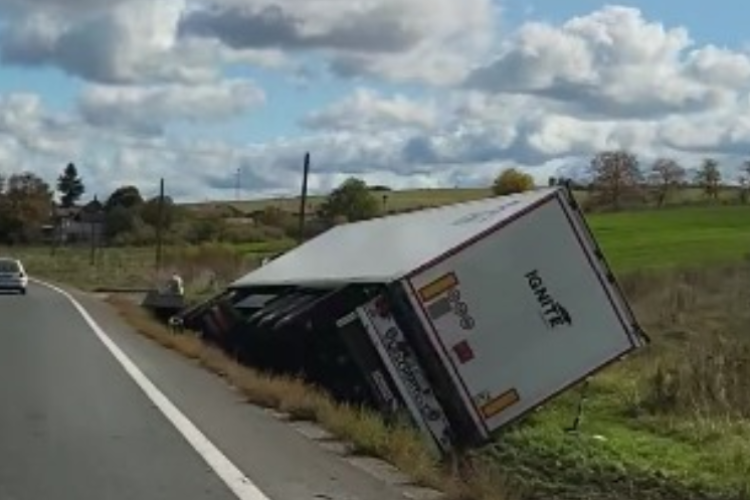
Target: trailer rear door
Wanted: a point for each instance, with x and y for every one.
(405, 371)
(524, 312)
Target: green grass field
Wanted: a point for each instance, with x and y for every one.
(684, 236)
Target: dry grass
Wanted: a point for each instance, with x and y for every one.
(700, 364)
(365, 431)
(712, 379)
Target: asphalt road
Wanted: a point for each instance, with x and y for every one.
(72, 423)
(75, 425)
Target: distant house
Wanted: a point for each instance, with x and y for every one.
(78, 224)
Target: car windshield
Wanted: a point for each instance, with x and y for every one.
(9, 266)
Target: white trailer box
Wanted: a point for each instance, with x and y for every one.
(508, 300)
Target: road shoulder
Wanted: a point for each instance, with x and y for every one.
(286, 460)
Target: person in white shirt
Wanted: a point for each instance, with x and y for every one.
(176, 286)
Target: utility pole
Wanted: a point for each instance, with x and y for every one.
(160, 226)
(92, 236)
(96, 216)
(56, 231)
(238, 185)
(303, 198)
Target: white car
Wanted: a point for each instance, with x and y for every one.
(13, 276)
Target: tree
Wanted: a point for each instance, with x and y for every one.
(352, 199)
(25, 206)
(665, 176)
(122, 212)
(70, 186)
(616, 177)
(117, 221)
(708, 177)
(512, 181)
(128, 197)
(149, 212)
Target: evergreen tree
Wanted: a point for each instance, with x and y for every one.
(70, 186)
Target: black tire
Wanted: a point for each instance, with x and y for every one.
(22, 291)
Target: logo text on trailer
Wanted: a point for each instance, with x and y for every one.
(554, 314)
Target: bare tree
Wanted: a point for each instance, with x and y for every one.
(665, 177)
(616, 177)
(708, 178)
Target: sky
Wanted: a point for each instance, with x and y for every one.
(406, 93)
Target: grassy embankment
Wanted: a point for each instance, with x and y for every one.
(672, 422)
(423, 198)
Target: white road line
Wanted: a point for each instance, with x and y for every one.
(240, 484)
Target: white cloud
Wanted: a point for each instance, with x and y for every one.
(402, 40)
(368, 111)
(612, 63)
(147, 109)
(25, 126)
(131, 42)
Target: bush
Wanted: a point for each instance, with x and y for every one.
(250, 234)
(512, 181)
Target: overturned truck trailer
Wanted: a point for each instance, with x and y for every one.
(464, 317)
